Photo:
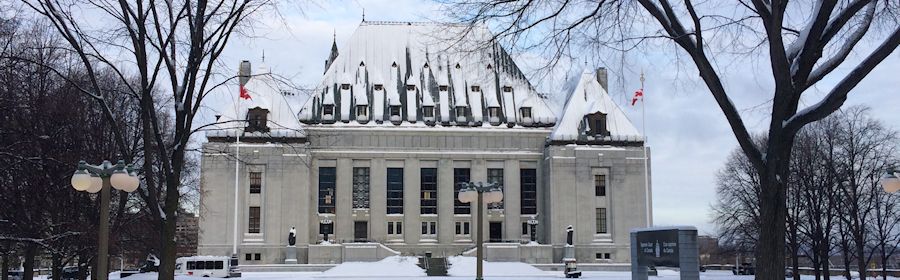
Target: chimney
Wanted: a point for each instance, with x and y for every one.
(244, 72)
(602, 78)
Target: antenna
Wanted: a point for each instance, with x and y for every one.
(264, 55)
(364, 14)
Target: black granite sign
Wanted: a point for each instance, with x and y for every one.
(658, 248)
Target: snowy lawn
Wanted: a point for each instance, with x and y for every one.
(461, 268)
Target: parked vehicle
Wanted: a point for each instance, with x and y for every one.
(207, 266)
(744, 269)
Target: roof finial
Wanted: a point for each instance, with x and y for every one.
(264, 55)
(364, 14)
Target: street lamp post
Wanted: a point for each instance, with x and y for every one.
(479, 193)
(891, 180)
(99, 178)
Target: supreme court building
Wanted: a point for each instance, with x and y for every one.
(374, 157)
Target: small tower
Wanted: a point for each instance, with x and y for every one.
(334, 53)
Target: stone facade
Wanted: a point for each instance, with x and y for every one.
(289, 196)
(375, 162)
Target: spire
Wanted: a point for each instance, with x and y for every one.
(334, 52)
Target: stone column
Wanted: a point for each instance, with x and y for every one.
(412, 225)
(446, 225)
(512, 201)
(378, 199)
(343, 222)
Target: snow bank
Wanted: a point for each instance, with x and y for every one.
(154, 276)
(396, 266)
(465, 266)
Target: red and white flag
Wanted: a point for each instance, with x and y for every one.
(244, 93)
(639, 94)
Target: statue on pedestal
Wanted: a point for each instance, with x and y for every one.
(292, 237)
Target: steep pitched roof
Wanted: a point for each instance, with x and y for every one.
(265, 93)
(410, 46)
(586, 96)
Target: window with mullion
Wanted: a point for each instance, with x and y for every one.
(460, 175)
(600, 185)
(528, 179)
(361, 187)
(429, 191)
(326, 189)
(495, 175)
(255, 182)
(602, 221)
(253, 220)
(395, 190)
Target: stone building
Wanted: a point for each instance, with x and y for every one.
(374, 157)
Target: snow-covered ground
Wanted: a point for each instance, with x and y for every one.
(462, 268)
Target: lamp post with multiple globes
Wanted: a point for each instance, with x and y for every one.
(99, 178)
(481, 194)
(891, 180)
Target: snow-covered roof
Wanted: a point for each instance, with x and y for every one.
(586, 96)
(412, 46)
(265, 93)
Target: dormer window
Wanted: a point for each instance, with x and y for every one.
(394, 64)
(597, 124)
(494, 115)
(362, 110)
(395, 110)
(428, 111)
(256, 120)
(378, 87)
(410, 87)
(426, 65)
(443, 88)
(475, 88)
(361, 64)
(525, 112)
(507, 89)
(328, 109)
(489, 67)
(461, 114)
(345, 86)
(457, 66)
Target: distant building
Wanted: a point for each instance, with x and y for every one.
(186, 234)
(400, 118)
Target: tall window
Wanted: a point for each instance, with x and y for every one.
(395, 190)
(255, 182)
(601, 221)
(429, 191)
(326, 189)
(360, 187)
(460, 175)
(495, 175)
(253, 220)
(528, 177)
(462, 228)
(256, 120)
(525, 112)
(600, 185)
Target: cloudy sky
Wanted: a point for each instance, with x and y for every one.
(689, 136)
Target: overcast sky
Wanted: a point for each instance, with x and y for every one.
(689, 136)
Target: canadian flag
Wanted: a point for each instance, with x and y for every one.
(244, 93)
(639, 94)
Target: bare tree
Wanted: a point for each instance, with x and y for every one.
(173, 48)
(803, 42)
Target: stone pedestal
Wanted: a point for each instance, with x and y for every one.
(290, 255)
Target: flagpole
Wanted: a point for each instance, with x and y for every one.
(237, 166)
(646, 159)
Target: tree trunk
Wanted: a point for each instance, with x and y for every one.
(860, 252)
(884, 261)
(57, 267)
(28, 262)
(4, 266)
(770, 250)
(94, 269)
(795, 248)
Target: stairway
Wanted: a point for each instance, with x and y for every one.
(433, 266)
